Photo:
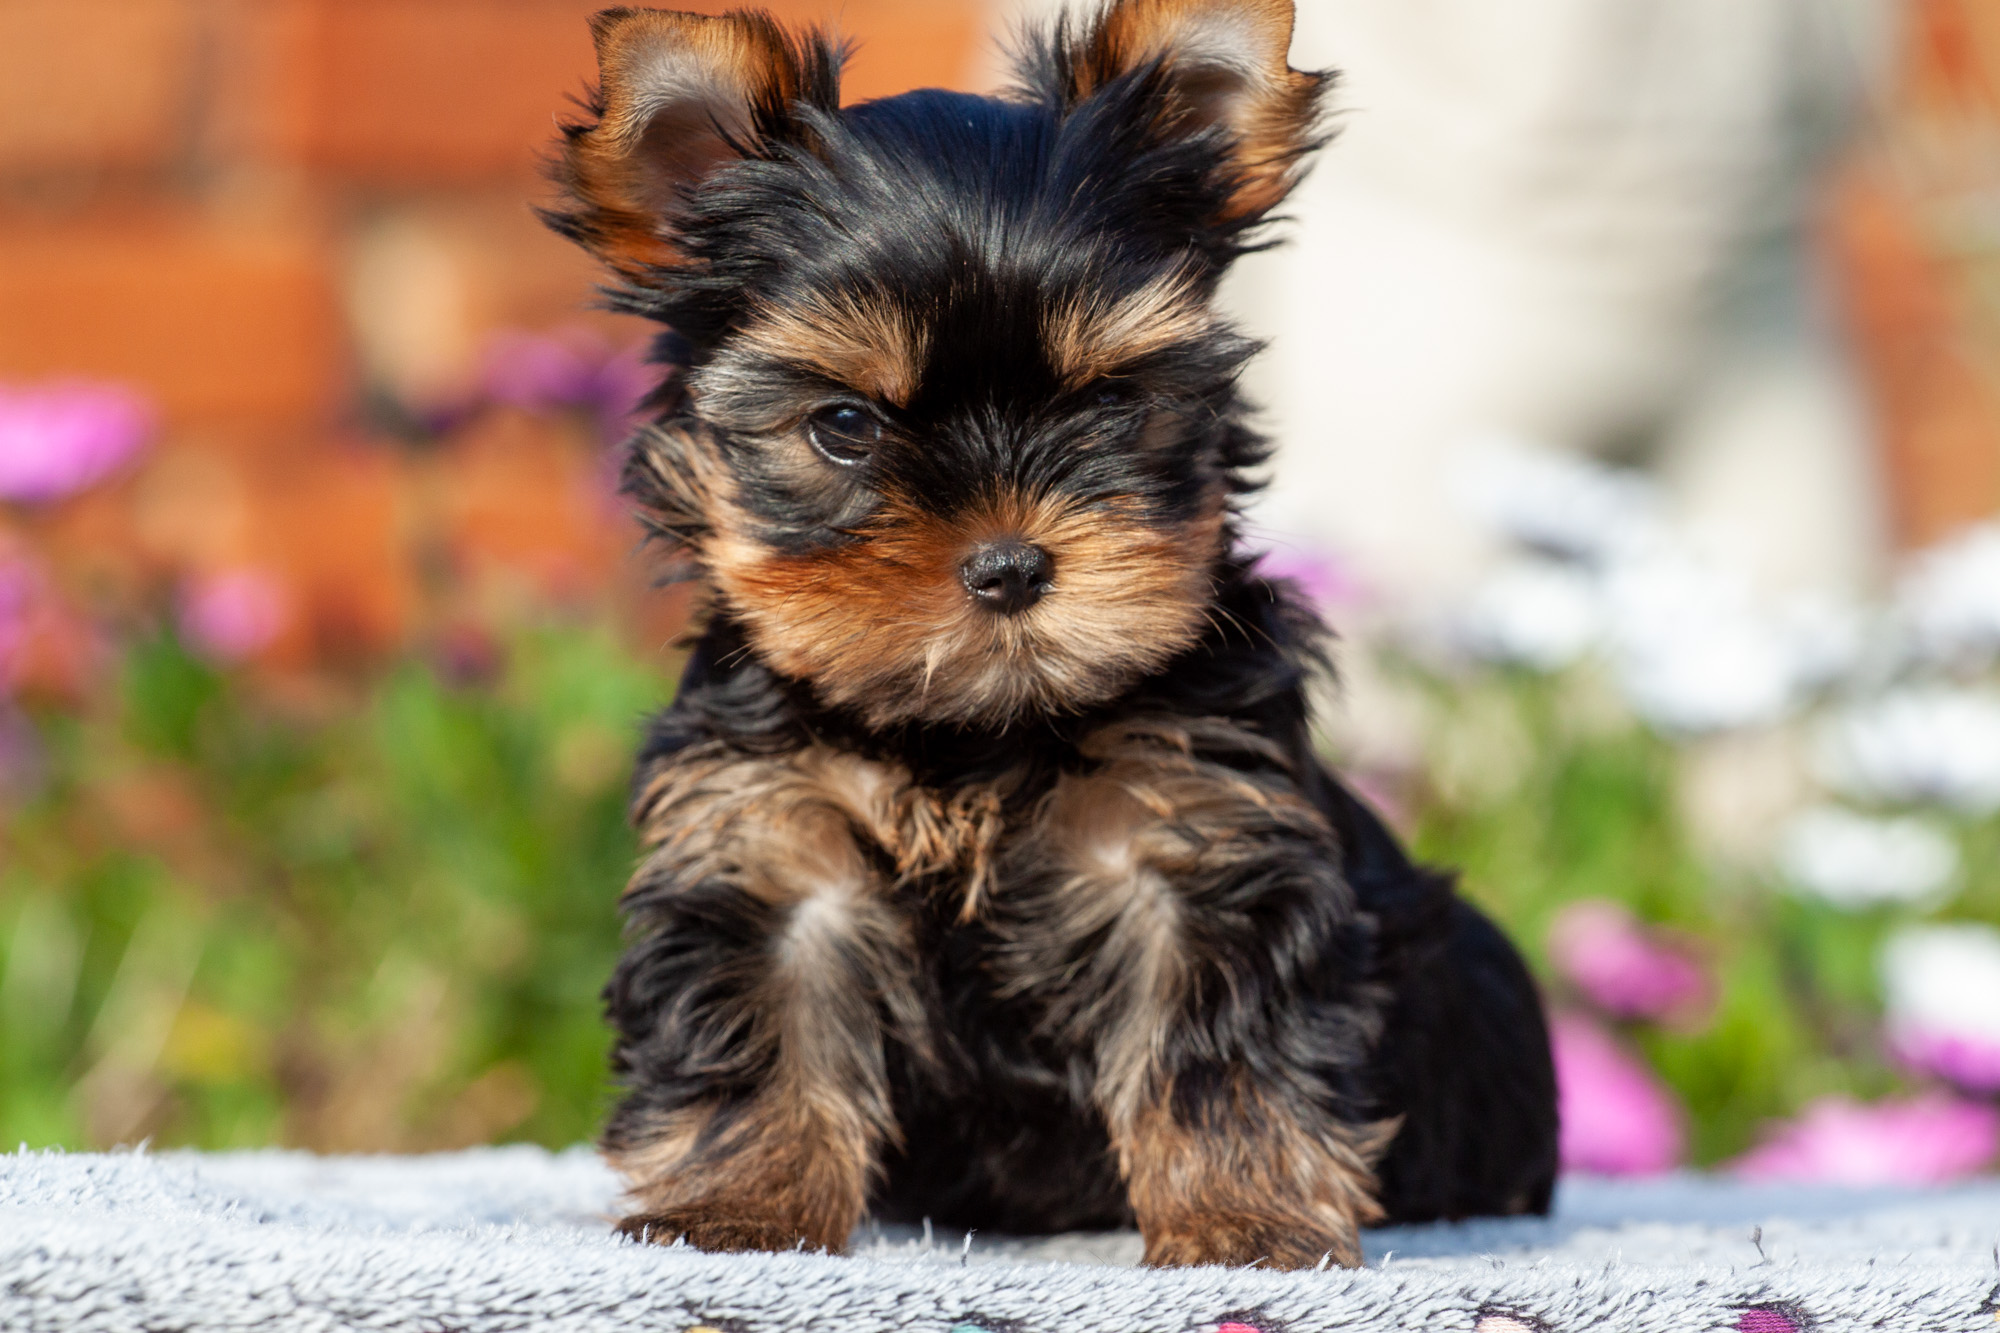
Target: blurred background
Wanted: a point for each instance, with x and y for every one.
(1637, 373)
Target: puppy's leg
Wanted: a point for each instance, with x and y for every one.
(752, 1010)
(1465, 1059)
(1190, 931)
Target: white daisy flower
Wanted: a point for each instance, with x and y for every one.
(1929, 743)
(1571, 506)
(1943, 989)
(1532, 612)
(1950, 600)
(1854, 860)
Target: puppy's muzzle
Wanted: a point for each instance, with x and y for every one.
(1007, 577)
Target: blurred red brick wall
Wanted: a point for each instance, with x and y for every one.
(1914, 231)
(259, 211)
(262, 212)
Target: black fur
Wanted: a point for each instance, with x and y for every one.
(1333, 968)
(1005, 1139)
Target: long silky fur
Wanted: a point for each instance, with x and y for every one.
(1029, 923)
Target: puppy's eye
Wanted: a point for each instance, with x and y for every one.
(1113, 393)
(844, 433)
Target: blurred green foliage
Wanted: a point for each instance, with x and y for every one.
(1567, 799)
(378, 916)
(373, 920)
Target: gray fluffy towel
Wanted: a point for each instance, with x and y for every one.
(517, 1238)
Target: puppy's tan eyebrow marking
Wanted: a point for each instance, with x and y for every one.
(859, 340)
(1088, 337)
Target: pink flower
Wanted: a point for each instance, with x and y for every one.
(62, 438)
(1623, 968)
(1971, 1062)
(1925, 1140)
(1617, 1119)
(1942, 985)
(232, 615)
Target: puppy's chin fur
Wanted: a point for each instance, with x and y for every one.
(883, 628)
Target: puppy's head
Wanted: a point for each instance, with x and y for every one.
(959, 433)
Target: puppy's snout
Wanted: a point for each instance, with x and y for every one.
(1007, 577)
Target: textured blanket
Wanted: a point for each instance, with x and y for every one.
(516, 1239)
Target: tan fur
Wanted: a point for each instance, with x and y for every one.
(1088, 338)
(794, 1168)
(797, 831)
(883, 625)
(684, 482)
(868, 345)
(1229, 62)
(1109, 846)
(1118, 837)
(1256, 1185)
(675, 89)
(776, 824)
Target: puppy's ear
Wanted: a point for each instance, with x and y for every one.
(679, 95)
(1224, 65)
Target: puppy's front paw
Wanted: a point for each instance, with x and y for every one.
(718, 1229)
(1236, 1239)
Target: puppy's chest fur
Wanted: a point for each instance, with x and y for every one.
(1046, 923)
(1074, 868)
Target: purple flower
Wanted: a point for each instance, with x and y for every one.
(567, 371)
(58, 439)
(540, 372)
(1623, 968)
(623, 382)
(1322, 576)
(1617, 1119)
(1924, 1140)
(467, 655)
(232, 615)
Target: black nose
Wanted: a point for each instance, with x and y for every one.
(1009, 577)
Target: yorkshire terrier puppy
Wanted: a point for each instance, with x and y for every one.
(990, 874)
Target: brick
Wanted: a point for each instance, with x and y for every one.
(437, 91)
(217, 321)
(94, 85)
(448, 89)
(334, 523)
(1951, 57)
(904, 44)
(1914, 304)
(264, 98)
(529, 499)
(1920, 351)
